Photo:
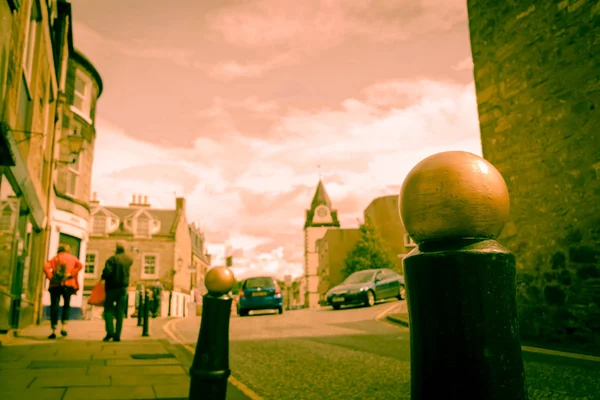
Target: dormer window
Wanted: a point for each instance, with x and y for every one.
(142, 225)
(99, 225)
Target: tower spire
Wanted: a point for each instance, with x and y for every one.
(319, 169)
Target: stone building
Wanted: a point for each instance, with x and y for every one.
(319, 218)
(70, 211)
(538, 94)
(385, 217)
(29, 94)
(333, 248)
(158, 240)
(200, 259)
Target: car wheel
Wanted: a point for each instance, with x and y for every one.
(401, 293)
(280, 310)
(370, 300)
(242, 313)
(336, 307)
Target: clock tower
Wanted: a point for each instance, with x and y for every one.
(319, 218)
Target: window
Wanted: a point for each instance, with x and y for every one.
(82, 94)
(142, 227)
(6, 218)
(150, 266)
(31, 42)
(408, 241)
(99, 225)
(91, 259)
(73, 176)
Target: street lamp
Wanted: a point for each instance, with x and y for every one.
(74, 143)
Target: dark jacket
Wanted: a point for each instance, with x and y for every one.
(116, 271)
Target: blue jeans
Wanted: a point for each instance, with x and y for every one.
(114, 309)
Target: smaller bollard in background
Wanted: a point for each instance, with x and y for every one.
(146, 316)
(210, 369)
(140, 302)
(460, 282)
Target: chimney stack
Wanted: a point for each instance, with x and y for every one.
(145, 200)
(132, 199)
(139, 202)
(94, 199)
(180, 203)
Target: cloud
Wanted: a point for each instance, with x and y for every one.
(253, 191)
(298, 30)
(98, 43)
(465, 64)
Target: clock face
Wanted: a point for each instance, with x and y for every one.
(322, 212)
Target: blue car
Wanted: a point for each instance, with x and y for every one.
(259, 293)
(366, 287)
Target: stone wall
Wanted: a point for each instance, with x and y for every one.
(538, 93)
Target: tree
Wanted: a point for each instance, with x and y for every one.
(369, 251)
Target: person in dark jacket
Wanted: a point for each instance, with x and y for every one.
(116, 281)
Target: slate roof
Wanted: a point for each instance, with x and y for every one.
(168, 219)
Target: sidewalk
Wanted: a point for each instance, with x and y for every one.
(82, 367)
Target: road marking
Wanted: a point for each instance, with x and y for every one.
(560, 353)
(239, 385)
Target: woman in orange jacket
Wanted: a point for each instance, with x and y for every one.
(62, 271)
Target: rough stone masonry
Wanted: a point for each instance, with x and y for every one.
(538, 91)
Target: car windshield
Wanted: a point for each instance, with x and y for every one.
(360, 277)
(254, 283)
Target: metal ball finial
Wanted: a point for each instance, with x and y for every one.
(452, 195)
(219, 280)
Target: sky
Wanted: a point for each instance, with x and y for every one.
(234, 104)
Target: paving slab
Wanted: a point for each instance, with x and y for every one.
(129, 361)
(138, 369)
(34, 394)
(110, 393)
(62, 381)
(65, 363)
(142, 380)
(172, 391)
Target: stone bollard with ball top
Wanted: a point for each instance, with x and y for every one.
(460, 283)
(210, 369)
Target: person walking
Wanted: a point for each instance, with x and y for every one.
(116, 281)
(62, 271)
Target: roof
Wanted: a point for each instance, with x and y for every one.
(321, 197)
(87, 64)
(168, 219)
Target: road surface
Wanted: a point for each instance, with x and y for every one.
(350, 354)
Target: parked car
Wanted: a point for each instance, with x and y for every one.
(366, 287)
(259, 293)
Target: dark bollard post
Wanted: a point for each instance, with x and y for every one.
(460, 282)
(146, 309)
(210, 368)
(139, 308)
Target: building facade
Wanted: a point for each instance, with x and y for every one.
(384, 214)
(319, 218)
(333, 248)
(200, 260)
(538, 95)
(70, 209)
(158, 240)
(29, 96)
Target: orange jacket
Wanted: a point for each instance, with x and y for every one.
(73, 267)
